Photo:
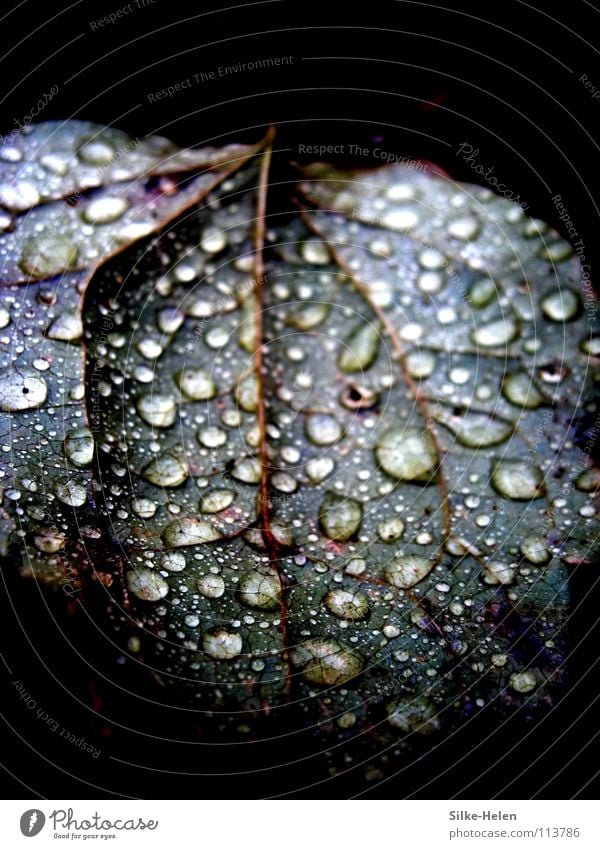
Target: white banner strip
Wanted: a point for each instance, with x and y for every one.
(298, 824)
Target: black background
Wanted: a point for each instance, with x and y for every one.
(413, 78)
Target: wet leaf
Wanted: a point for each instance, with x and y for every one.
(336, 460)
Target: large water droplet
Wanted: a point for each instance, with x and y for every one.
(147, 584)
(521, 391)
(46, 256)
(561, 305)
(340, 516)
(104, 210)
(211, 586)
(189, 531)
(157, 410)
(21, 390)
(407, 453)
(518, 480)
(79, 447)
(360, 349)
(406, 570)
(166, 470)
(222, 645)
(347, 604)
(196, 383)
(66, 328)
(496, 333)
(327, 662)
(216, 500)
(261, 588)
(322, 428)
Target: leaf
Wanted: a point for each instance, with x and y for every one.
(332, 458)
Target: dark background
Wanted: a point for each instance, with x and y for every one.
(413, 78)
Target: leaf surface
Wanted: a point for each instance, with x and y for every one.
(334, 456)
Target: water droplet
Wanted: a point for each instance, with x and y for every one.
(4, 318)
(173, 561)
(147, 584)
(49, 540)
(589, 480)
(212, 437)
(104, 210)
(247, 470)
(66, 328)
(478, 430)
(284, 482)
(523, 682)
(413, 716)
(166, 470)
(319, 468)
(149, 348)
(483, 292)
(465, 228)
(216, 337)
(502, 331)
(520, 390)
(79, 447)
(432, 260)
(157, 410)
(19, 196)
(211, 586)
(322, 428)
(360, 349)
(534, 548)
(169, 320)
(401, 219)
(47, 256)
(495, 572)
(327, 662)
(213, 240)
(407, 453)
(55, 163)
(347, 604)
(189, 531)
(196, 383)
(96, 152)
(518, 480)
(561, 305)
(216, 500)
(222, 645)
(406, 570)
(390, 529)
(21, 390)
(309, 316)
(356, 566)
(261, 589)
(380, 292)
(431, 281)
(420, 363)
(315, 252)
(70, 492)
(557, 251)
(246, 393)
(340, 516)
(145, 508)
